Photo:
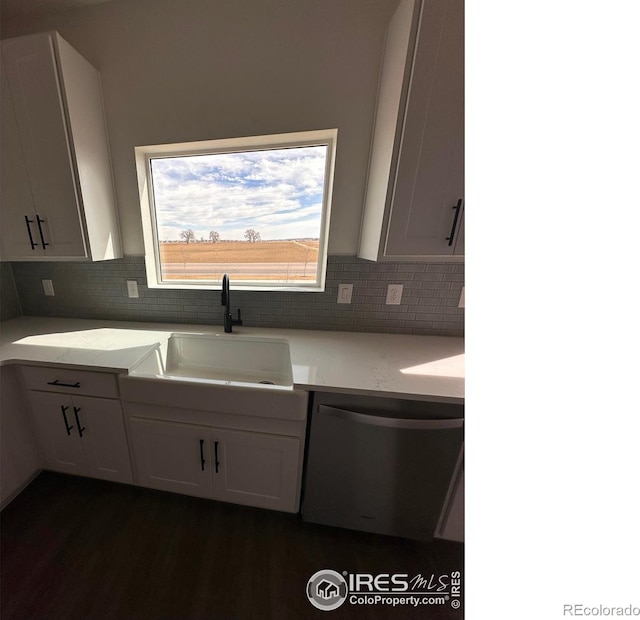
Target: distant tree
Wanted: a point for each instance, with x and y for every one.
(214, 236)
(252, 235)
(188, 235)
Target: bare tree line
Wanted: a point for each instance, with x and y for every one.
(188, 236)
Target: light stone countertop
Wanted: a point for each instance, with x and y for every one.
(404, 366)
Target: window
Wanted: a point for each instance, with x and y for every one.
(256, 208)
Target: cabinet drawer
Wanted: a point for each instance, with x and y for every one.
(70, 381)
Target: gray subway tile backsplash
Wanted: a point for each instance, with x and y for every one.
(98, 291)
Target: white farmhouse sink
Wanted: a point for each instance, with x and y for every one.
(229, 358)
(223, 374)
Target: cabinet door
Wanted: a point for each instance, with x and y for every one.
(171, 456)
(99, 424)
(255, 469)
(37, 98)
(430, 173)
(56, 429)
(18, 211)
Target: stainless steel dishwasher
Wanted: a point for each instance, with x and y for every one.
(379, 464)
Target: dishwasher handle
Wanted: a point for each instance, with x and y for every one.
(374, 420)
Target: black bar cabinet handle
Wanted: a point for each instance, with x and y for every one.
(202, 461)
(59, 384)
(44, 245)
(66, 422)
(216, 450)
(455, 221)
(27, 221)
(80, 427)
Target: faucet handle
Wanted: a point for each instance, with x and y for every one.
(238, 321)
(224, 296)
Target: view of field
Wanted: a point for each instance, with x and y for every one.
(262, 260)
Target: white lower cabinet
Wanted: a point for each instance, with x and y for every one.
(18, 457)
(254, 469)
(81, 435)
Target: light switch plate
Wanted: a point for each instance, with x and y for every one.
(461, 302)
(344, 293)
(47, 285)
(132, 288)
(394, 294)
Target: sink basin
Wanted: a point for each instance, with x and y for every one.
(229, 359)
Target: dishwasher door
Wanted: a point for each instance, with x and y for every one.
(388, 475)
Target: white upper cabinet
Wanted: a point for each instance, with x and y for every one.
(414, 204)
(58, 199)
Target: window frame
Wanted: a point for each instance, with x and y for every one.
(143, 157)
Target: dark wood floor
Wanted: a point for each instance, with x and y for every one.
(79, 548)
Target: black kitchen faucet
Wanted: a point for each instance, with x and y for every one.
(225, 300)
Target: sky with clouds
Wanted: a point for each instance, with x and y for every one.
(276, 192)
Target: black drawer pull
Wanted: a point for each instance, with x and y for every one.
(80, 427)
(217, 462)
(66, 422)
(455, 221)
(44, 245)
(202, 461)
(60, 384)
(27, 222)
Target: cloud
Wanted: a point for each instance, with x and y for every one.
(277, 192)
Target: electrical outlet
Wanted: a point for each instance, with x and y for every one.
(132, 288)
(47, 285)
(394, 294)
(344, 293)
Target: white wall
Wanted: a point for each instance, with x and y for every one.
(181, 70)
